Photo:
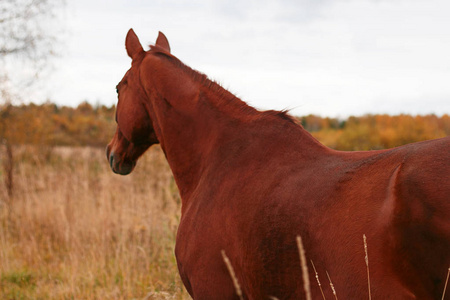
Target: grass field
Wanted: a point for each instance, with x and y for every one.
(75, 230)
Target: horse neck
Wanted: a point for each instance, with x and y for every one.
(194, 117)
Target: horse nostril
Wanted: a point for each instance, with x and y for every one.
(111, 158)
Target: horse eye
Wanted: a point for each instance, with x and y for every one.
(117, 89)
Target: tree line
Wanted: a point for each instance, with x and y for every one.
(49, 124)
(373, 132)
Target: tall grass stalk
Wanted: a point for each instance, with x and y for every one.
(304, 266)
(332, 287)
(367, 264)
(234, 278)
(446, 282)
(318, 281)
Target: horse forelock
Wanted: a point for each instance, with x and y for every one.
(159, 49)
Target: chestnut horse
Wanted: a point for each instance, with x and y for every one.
(252, 181)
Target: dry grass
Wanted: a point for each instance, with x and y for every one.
(233, 276)
(317, 279)
(446, 282)
(367, 265)
(304, 266)
(75, 230)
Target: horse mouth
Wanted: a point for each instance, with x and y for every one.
(123, 168)
(120, 167)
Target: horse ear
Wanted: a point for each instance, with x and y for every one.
(132, 44)
(162, 42)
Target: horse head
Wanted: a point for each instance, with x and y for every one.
(135, 132)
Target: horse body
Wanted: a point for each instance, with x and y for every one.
(252, 181)
(330, 199)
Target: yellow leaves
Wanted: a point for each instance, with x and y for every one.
(49, 124)
(372, 132)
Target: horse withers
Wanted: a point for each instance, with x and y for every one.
(252, 181)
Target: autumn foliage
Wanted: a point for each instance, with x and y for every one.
(371, 132)
(87, 125)
(52, 125)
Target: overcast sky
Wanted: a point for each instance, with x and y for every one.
(331, 58)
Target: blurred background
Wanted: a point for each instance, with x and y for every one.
(323, 57)
(358, 75)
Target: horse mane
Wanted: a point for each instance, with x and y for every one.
(224, 97)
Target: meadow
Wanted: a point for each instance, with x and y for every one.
(71, 229)
(74, 230)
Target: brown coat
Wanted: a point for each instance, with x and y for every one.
(252, 181)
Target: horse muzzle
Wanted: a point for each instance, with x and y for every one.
(118, 165)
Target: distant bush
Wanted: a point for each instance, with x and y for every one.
(49, 124)
(372, 132)
(86, 125)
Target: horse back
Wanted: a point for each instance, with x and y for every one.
(397, 197)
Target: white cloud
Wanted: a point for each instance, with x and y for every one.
(325, 57)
